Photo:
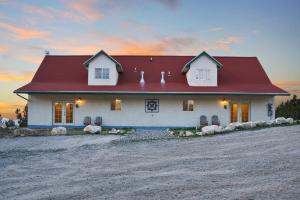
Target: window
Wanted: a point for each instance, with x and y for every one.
(101, 73)
(188, 105)
(203, 74)
(116, 105)
(207, 74)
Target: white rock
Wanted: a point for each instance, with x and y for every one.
(249, 125)
(260, 123)
(2, 122)
(237, 125)
(16, 121)
(58, 131)
(92, 129)
(280, 120)
(114, 131)
(199, 133)
(181, 133)
(271, 122)
(171, 132)
(189, 133)
(211, 129)
(290, 120)
(229, 128)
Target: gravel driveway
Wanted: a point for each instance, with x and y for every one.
(263, 164)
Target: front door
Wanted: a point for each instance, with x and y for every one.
(63, 113)
(234, 112)
(245, 112)
(242, 116)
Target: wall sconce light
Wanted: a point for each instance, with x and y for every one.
(224, 102)
(78, 101)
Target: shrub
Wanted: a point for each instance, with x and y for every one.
(10, 123)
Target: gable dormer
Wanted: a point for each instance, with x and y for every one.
(103, 69)
(202, 70)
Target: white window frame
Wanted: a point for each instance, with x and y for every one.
(190, 105)
(101, 73)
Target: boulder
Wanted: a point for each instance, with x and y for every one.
(280, 120)
(271, 122)
(58, 131)
(114, 131)
(260, 123)
(24, 132)
(207, 130)
(229, 128)
(290, 120)
(3, 121)
(249, 125)
(199, 133)
(237, 125)
(189, 133)
(181, 133)
(92, 129)
(16, 121)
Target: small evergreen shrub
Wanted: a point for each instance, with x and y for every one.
(10, 123)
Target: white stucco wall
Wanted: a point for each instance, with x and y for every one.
(102, 61)
(203, 62)
(133, 109)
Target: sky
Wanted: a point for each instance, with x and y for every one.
(267, 29)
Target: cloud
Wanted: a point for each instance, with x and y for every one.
(31, 59)
(216, 29)
(223, 44)
(288, 84)
(77, 11)
(7, 77)
(4, 49)
(87, 9)
(24, 33)
(171, 4)
(96, 40)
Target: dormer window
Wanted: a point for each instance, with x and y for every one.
(202, 74)
(101, 73)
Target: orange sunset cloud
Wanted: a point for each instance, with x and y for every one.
(24, 33)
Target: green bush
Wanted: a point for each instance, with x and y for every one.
(290, 108)
(10, 123)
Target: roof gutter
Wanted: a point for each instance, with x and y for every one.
(21, 96)
(137, 93)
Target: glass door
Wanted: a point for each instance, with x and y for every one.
(234, 112)
(63, 113)
(245, 112)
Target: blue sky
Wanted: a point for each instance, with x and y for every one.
(268, 29)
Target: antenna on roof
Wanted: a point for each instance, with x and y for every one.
(47, 52)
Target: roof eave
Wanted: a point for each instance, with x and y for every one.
(137, 92)
(186, 67)
(119, 66)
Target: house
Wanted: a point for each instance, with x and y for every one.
(148, 91)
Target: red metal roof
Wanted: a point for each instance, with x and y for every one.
(238, 75)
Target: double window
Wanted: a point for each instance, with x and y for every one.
(188, 105)
(203, 74)
(116, 105)
(101, 73)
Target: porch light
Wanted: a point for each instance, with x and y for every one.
(224, 103)
(78, 101)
